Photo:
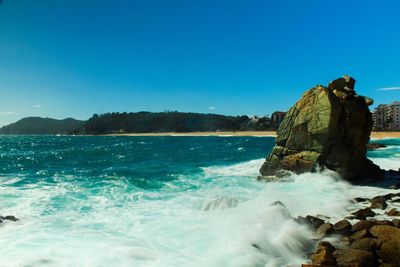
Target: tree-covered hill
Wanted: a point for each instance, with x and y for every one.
(42, 126)
(148, 122)
(138, 122)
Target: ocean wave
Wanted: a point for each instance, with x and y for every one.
(387, 163)
(248, 168)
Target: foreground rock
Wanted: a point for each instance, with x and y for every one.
(355, 257)
(328, 127)
(366, 242)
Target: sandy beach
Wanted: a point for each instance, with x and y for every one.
(244, 133)
(374, 135)
(380, 135)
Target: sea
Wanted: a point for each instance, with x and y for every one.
(161, 201)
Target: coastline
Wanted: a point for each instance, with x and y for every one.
(374, 135)
(238, 133)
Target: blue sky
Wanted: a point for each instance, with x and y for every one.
(73, 58)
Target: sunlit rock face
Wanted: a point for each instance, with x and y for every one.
(328, 127)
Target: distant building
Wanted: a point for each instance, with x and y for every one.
(387, 117)
(395, 111)
(277, 118)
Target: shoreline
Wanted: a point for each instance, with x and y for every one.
(374, 135)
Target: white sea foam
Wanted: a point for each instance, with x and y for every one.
(387, 163)
(249, 168)
(117, 228)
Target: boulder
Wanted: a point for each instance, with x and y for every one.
(328, 127)
(368, 244)
(311, 221)
(323, 230)
(11, 218)
(386, 233)
(360, 199)
(314, 221)
(390, 252)
(364, 213)
(393, 212)
(378, 203)
(355, 257)
(359, 234)
(383, 222)
(342, 227)
(362, 225)
(323, 255)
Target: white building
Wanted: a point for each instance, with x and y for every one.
(387, 117)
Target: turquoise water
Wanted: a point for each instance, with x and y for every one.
(158, 201)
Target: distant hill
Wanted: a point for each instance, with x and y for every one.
(148, 122)
(42, 126)
(139, 122)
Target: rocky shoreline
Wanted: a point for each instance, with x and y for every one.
(367, 237)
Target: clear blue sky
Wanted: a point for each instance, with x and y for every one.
(73, 58)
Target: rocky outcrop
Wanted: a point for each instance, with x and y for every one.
(328, 127)
(374, 242)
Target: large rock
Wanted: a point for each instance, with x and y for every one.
(324, 255)
(328, 127)
(390, 252)
(386, 233)
(355, 257)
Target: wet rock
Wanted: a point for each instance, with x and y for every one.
(324, 230)
(395, 186)
(311, 221)
(368, 244)
(342, 227)
(378, 203)
(393, 212)
(278, 203)
(383, 222)
(328, 127)
(314, 221)
(390, 252)
(363, 213)
(323, 254)
(386, 233)
(390, 196)
(355, 257)
(375, 146)
(359, 234)
(396, 223)
(11, 218)
(302, 220)
(361, 225)
(360, 199)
